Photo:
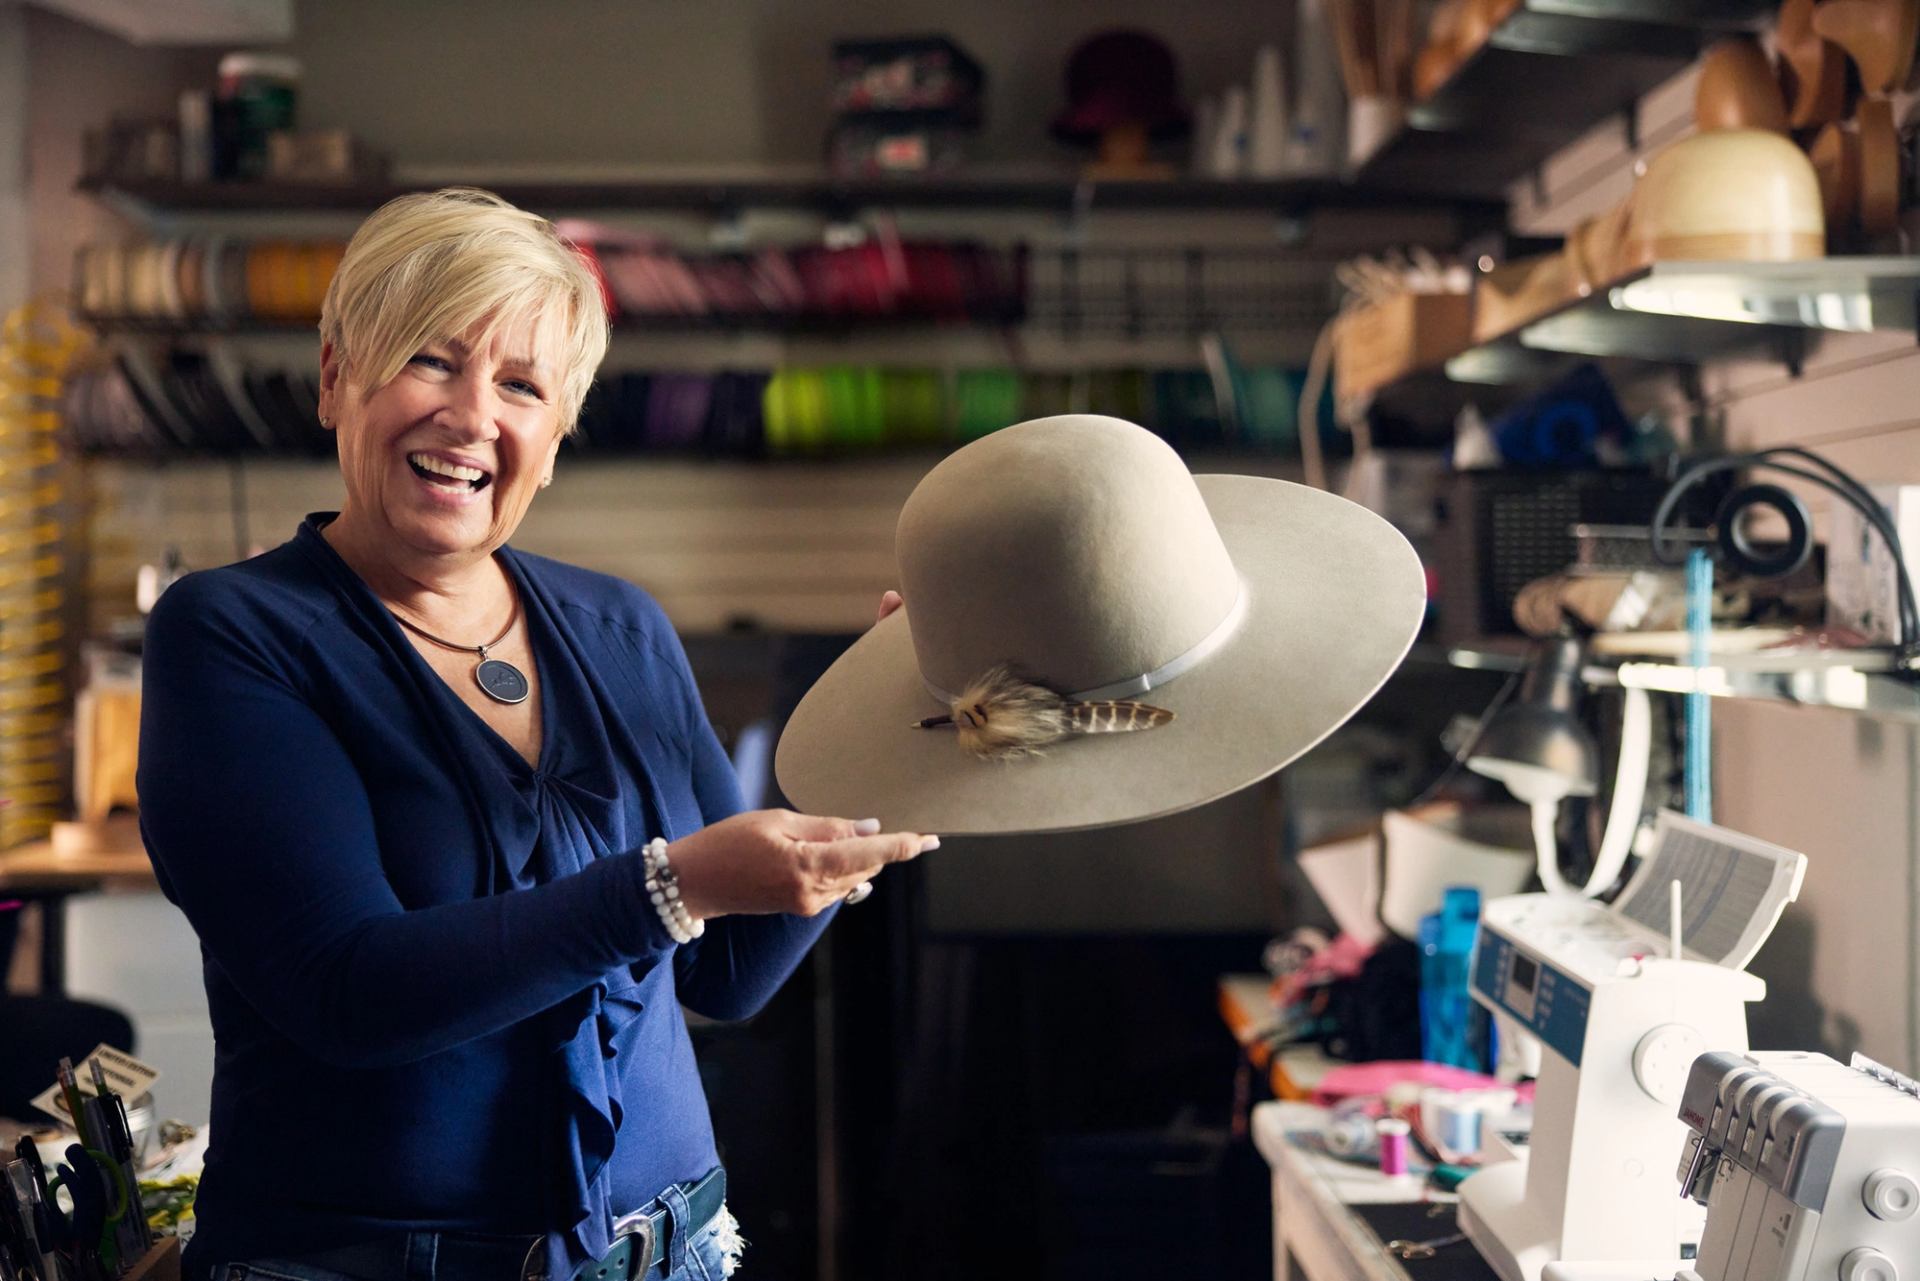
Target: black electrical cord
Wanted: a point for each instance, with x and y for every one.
(1835, 481)
(1459, 759)
(1862, 500)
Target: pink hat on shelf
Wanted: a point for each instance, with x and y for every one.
(1122, 77)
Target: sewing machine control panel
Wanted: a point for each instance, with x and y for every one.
(1548, 1000)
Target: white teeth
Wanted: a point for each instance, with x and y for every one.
(427, 462)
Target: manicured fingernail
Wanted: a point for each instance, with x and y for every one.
(866, 827)
(929, 843)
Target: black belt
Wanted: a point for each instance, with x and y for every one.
(644, 1234)
(641, 1242)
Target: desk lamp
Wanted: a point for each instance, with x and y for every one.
(1542, 752)
(1537, 745)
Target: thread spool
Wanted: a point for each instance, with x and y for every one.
(1452, 1120)
(1349, 1134)
(1394, 1144)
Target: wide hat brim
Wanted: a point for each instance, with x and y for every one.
(1335, 596)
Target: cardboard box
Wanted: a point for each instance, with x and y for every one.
(1378, 343)
(1520, 292)
(1861, 586)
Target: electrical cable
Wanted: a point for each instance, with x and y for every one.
(1546, 849)
(1836, 481)
(1312, 456)
(1629, 791)
(1460, 755)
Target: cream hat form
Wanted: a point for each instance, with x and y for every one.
(1727, 194)
(1080, 550)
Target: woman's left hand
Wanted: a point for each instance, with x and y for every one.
(778, 861)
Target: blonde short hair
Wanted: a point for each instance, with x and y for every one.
(435, 265)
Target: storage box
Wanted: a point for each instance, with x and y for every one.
(886, 144)
(1500, 530)
(1861, 585)
(1431, 849)
(914, 73)
(322, 155)
(1517, 293)
(1380, 342)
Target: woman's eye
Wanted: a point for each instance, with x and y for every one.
(430, 360)
(520, 387)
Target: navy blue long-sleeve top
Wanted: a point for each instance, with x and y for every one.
(440, 996)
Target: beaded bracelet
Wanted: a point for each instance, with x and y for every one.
(663, 887)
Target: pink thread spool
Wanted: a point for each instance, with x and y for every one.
(1394, 1142)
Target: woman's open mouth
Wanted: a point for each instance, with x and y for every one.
(453, 477)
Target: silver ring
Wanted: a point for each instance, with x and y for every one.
(859, 893)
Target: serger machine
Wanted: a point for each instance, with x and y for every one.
(1807, 1168)
(1622, 998)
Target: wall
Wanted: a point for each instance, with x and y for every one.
(78, 78)
(14, 273)
(1844, 966)
(801, 547)
(593, 82)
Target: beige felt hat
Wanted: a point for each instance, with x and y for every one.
(1081, 552)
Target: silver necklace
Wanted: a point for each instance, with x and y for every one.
(500, 680)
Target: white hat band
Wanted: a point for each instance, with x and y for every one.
(1176, 666)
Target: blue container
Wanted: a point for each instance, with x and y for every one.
(1446, 1004)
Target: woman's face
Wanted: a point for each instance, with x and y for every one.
(448, 455)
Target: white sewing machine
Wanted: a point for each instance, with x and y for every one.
(1807, 1169)
(1623, 998)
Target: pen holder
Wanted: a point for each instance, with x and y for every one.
(161, 1263)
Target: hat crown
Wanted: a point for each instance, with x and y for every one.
(1077, 549)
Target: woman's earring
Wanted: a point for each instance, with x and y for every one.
(546, 480)
(326, 423)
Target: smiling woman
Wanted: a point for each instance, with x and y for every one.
(450, 402)
(452, 826)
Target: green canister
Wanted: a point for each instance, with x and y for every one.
(258, 94)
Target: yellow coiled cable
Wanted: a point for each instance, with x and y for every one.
(38, 345)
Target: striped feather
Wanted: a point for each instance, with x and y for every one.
(1115, 716)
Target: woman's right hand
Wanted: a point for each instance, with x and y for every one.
(767, 861)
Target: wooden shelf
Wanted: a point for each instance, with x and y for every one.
(1868, 681)
(792, 325)
(1686, 313)
(1545, 76)
(151, 198)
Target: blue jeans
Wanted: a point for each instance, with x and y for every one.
(710, 1254)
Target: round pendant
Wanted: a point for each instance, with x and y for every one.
(502, 681)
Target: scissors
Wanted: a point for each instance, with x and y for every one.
(1428, 1248)
(1423, 1249)
(84, 1233)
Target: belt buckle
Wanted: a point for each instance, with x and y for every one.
(639, 1225)
(534, 1266)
